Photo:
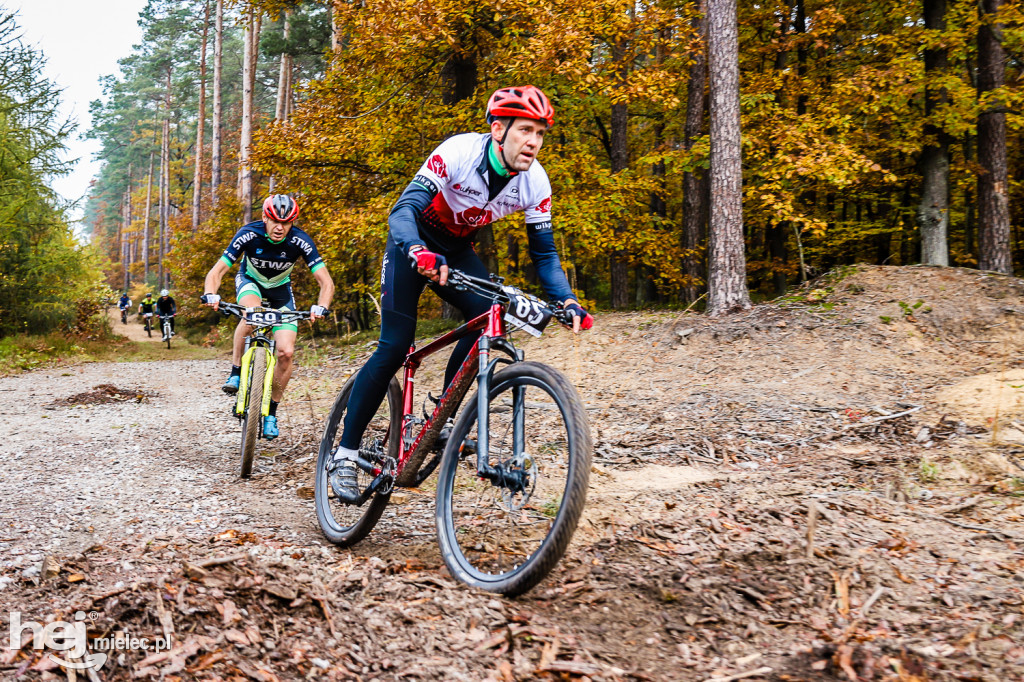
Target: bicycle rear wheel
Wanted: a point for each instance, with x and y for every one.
(345, 524)
(497, 538)
(253, 411)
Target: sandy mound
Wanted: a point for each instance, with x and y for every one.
(986, 398)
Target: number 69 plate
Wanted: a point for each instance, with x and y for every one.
(263, 317)
(527, 313)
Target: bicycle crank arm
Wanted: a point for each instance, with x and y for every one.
(368, 467)
(374, 486)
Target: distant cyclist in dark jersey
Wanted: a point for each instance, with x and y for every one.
(469, 181)
(124, 304)
(147, 305)
(166, 305)
(268, 249)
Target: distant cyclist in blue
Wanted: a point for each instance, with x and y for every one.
(268, 250)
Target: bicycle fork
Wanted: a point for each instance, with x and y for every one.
(268, 377)
(514, 478)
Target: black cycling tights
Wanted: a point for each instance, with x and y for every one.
(401, 287)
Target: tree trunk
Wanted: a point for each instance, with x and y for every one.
(334, 27)
(197, 178)
(727, 276)
(245, 140)
(969, 222)
(145, 220)
(128, 219)
(459, 78)
(658, 205)
(165, 180)
(777, 235)
(620, 161)
(933, 211)
(281, 108)
(218, 53)
(993, 195)
(693, 184)
(619, 152)
(126, 222)
(283, 80)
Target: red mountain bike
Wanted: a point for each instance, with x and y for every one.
(514, 472)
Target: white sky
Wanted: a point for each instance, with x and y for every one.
(82, 41)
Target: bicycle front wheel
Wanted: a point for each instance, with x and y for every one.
(253, 411)
(341, 523)
(507, 538)
(149, 328)
(167, 335)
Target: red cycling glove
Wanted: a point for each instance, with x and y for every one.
(428, 260)
(576, 310)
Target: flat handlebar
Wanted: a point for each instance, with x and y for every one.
(496, 290)
(240, 311)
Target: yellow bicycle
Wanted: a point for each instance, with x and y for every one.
(258, 362)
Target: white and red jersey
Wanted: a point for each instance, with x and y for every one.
(456, 173)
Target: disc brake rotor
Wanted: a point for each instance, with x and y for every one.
(514, 501)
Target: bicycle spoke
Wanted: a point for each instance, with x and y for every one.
(343, 523)
(505, 535)
(496, 528)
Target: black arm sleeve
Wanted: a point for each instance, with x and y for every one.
(403, 219)
(545, 260)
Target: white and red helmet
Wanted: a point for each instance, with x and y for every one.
(280, 208)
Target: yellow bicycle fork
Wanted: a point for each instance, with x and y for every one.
(268, 380)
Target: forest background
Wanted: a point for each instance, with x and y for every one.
(874, 132)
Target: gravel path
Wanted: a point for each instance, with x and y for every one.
(82, 475)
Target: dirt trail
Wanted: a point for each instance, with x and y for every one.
(134, 328)
(803, 492)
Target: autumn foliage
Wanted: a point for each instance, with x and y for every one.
(833, 115)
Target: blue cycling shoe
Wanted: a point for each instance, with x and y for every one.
(231, 385)
(270, 427)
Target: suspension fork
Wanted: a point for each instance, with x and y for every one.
(498, 476)
(483, 392)
(518, 424)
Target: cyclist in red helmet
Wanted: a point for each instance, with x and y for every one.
(269, 248)
(469, 181)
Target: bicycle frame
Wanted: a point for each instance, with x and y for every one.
(478, 361)
(253, 343)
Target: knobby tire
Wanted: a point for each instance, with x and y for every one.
(556, 540)
(253, 411)
(371, 511)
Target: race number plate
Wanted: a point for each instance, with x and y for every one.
(527, 313)
(263, 317)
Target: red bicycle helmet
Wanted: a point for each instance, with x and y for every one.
(524, 102)
(280, 207)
